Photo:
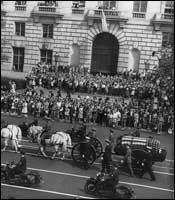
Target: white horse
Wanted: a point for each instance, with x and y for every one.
(13, 133)
(56, 139)
(34, 131)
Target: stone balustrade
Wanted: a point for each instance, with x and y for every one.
(139, 15)
(167, 16)
(46, 9)
(20, 7)
(107, 12)
(79, 11)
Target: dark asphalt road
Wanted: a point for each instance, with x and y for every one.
(64, 177)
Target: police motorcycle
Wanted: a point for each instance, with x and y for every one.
(9, 175)
(106, 185)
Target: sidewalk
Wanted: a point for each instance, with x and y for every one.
(13, 75)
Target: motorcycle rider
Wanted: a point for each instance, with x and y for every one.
(110, 180)
(19, 168)
(22, 164)
(113, 179)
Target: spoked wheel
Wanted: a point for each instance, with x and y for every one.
(138, 155)
(97, 145)
(90, 187)
(80, 158)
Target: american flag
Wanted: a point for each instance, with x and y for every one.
(149, 143)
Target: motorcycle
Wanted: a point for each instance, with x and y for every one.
(28, 179)
(99, 186)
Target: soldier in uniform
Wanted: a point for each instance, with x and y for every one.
(85, 151)
(92, 133)
(107, 157)
(148, 167)
(128, 160)
(111, 136)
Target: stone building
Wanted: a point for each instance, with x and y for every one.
(71, 33)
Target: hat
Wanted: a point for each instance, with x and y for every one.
(93, 129)
(111, 131)
(22, 152)
(107, 141)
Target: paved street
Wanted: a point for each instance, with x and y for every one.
(62, 179)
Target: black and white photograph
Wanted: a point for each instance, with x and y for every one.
(87, 99)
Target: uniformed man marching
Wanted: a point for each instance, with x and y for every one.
(107, 157)
(148, 167)
(128, 160)
(85, 151)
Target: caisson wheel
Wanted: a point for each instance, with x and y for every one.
(79, 157)
(96, 143)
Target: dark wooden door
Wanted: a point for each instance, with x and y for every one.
(104, 54)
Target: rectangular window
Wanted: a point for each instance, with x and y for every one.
(78, 4)
(169, 7)
(46, 56)
(20, 3)
(18, 59)
(167, 38)
(109, 4)
(140, 6)
(47, 30)
(20, 28)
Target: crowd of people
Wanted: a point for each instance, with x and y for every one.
(126, 84)
(105, 111)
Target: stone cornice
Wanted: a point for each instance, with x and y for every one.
(158, 21)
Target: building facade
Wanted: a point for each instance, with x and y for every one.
(72, 33)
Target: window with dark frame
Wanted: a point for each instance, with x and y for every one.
(169, 7)
(20, 3)
(20, 28)
(18, 59)
(78, 4)
(47, 30)
(167, 39)
(46, 56)
(140, 6)
(109, 4)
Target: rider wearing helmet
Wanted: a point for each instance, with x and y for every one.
(22, 164)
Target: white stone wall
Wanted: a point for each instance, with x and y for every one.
(74, 30)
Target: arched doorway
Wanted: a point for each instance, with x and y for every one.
(105, 54)
(134, 60)
(75, 55)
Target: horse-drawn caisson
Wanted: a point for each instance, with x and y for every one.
(142, 149)
(60, 141)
